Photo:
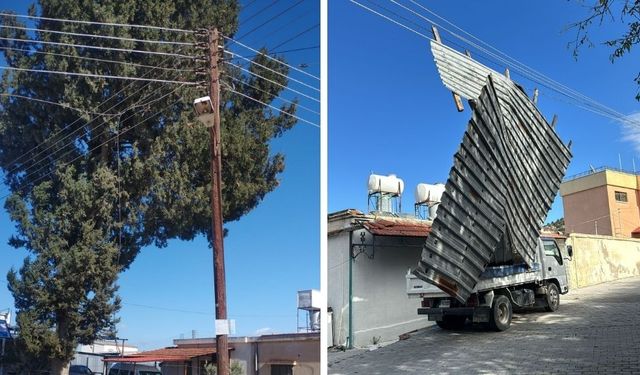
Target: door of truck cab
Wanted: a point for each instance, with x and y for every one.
(553, 265)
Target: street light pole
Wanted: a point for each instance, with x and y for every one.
(216, 203)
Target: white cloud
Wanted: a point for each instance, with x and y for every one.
(631, 130)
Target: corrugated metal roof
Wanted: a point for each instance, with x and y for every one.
(172, 354)
(504, 178)
(404, 228)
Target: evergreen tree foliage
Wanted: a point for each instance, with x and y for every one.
(119, 165)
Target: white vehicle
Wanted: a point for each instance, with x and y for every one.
(132, 369)
(500, 289)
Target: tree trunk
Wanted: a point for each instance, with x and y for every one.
(59, 367)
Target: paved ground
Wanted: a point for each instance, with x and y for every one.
(595, 331)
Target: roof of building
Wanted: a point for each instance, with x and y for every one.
(170, 354)
(557, 235)
(398, 227)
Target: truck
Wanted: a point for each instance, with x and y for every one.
(501, 288)
(484, 254)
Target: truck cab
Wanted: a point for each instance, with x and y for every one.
(502, 287)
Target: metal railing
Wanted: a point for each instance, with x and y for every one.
(598, 170)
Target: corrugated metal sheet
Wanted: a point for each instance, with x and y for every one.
(504, 178)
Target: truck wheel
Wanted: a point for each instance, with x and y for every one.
(452, 322)
(553, 298)
(501, 313)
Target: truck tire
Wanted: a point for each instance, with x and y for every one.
(552, 297)
(452, 322)
(501, 312)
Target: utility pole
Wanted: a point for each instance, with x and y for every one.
(216, 203)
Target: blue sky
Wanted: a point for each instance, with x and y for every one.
(271, 253)
(390, 113)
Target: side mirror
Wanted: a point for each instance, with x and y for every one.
(570, 250)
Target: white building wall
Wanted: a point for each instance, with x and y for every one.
(381, 308)
(338, 286)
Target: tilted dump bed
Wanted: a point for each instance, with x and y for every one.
(505, 176)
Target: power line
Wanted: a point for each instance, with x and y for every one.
(270, 19)
(260, 11)
(274, 82)
(103, 143)
(71, 124)
(96, 23)
(273, 70)
(526, 72)
(296, 36)
(273, 107)
(98, 36)
(391, 20)
(98, 75)
(94, 59)
(275, 96)
(99, 47)
(58, 157)
(54, 103)
(269, 57)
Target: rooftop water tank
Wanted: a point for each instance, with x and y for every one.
(427, 193)
(385, 184)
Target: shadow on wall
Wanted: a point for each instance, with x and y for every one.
(598, 259)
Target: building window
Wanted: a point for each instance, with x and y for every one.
(281, 369)
(621, 197)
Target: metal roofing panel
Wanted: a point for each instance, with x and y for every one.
(504, 178)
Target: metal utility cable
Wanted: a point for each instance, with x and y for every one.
(79, 119)
(94, 59)
(96, 23)
(72, 142)
(101, 144)
(526, 71)
(272, 70)
(99, 47)
(275, 96)
(54, 103)
(274, 82)
(273, 107)
(297, 36)
(269, 20)
(97, 36)
(270, 58)
(99, 76)
(259, 12)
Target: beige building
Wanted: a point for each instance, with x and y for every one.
(278, 354)
(602, 202)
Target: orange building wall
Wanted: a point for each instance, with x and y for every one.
(625, 216)
(584, 208)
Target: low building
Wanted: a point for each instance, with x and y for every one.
(368, 257)
(279, 354)
(603, 201)
(92, 355)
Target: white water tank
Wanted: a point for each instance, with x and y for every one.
(385, 184)
(427, 193)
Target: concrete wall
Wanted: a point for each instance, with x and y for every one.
(381, 308)
(305, 354)
(598, 259)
